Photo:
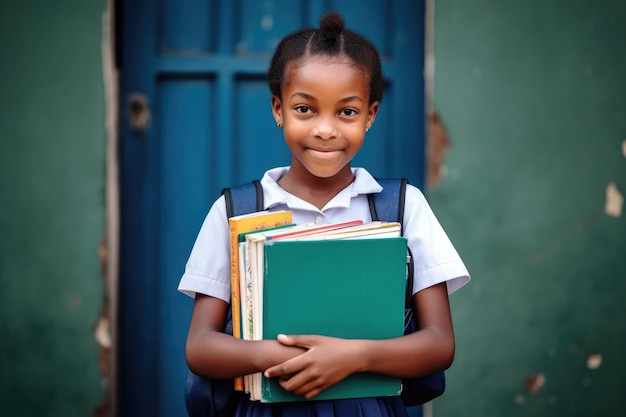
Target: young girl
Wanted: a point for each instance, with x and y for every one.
(326, 87)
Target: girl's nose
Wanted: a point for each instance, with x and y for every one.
(325, 128)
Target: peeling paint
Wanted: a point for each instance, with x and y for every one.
(102, 333)
(534, 382)
(594, 361)
(614, 200)
(76, 302)
(437, 146)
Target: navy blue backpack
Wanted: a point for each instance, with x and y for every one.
(207, 397)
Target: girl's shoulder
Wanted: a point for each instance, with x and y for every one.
(414, 199)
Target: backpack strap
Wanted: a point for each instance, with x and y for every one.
(388, 205)
(243, 199)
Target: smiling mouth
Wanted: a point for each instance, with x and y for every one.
(324, 154)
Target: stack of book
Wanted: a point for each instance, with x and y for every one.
(342, 280)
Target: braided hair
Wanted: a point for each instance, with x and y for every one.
(332, 39)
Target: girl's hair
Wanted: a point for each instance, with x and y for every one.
(331, 39)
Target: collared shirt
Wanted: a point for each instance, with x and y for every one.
(435, 258)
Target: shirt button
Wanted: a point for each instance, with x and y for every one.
(319, 220)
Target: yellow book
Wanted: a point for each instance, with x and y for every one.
(242, 224)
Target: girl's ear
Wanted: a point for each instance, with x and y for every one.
(371, 114)
(277, 110)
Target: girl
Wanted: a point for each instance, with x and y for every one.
(326, 87)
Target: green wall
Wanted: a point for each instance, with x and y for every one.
(533, 95)
(52, 153)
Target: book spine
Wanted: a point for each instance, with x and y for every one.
(238, 225)
(235, 299)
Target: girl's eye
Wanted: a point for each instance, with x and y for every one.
(347, 112)
(303, 109)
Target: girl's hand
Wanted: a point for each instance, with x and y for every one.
(327, 360)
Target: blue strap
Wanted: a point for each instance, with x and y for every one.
(388, 205)
(244, 199)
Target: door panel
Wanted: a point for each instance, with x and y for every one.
(201, 65)
(261, 24)
(253, 117)
(182, 119)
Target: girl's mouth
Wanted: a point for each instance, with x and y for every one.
(324, 154)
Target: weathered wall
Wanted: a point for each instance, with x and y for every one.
(533, 95)
(52, 142)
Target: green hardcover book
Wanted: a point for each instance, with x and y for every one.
(351, 289)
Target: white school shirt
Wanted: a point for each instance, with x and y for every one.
(435, 258)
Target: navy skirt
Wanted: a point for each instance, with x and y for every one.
(357, 407)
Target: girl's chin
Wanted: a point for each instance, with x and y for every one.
(324, 171)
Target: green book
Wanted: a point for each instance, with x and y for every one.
(351, 288)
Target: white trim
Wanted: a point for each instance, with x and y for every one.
(110, 78)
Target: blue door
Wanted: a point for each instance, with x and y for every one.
(195, 117)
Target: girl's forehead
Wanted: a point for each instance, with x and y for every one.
(293, 67)
(328, 59)
(320, 59)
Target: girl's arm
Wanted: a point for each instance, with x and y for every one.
(213, 354)
(329, 360)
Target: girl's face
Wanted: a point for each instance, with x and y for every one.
(324, 111)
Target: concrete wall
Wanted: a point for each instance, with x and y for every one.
(52, 155)
(533, 95)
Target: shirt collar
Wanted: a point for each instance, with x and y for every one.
(364, 183)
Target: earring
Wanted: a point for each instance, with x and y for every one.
(278, 124)
(367, 129)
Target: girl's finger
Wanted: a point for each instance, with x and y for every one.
(307, 390)
(289, 367)
(288, 340)
(305, 341)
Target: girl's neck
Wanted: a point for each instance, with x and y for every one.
(318, 191)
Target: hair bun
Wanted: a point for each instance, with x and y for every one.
(331, 24)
